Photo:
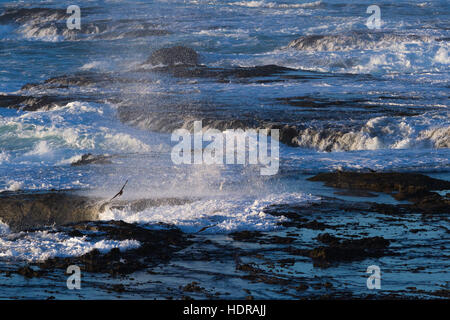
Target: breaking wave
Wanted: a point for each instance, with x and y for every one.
(264, 4)
(219, 215)
(381, 133)
(356, 41)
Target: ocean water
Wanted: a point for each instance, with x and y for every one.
(380, 101)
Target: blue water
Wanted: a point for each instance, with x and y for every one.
(393, 91)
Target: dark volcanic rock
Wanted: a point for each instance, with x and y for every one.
(353, 40)
(222, 74)
(92, 159)
(30, 103)
(287, 134)
(66, 81)
(411, 183)
(257, 71)
(173, 56)
(142, 204)
(157, 246)
(430, 203)
(250, 236)
(133, 34)
(25, 15)
(413, 187)
(24, 211)
(179, 115)
(337, 249)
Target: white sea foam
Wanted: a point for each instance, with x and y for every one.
(42, 245)
(265, 4)
(14, 186)
(77, 125)
(224, 214)
(70, 160)
(442, 56)
(4, 228)
(425, 131)
(5, 31)
(93, 65)
(384, 57)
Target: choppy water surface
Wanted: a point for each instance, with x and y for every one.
(360, 99)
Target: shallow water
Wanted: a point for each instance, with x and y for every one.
(374, 100)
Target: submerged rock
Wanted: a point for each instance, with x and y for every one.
(357, 40)
(66, 81)
(414, 187)
(222, 74)
(174, 55)
(31, 103)
(92, 159)
(33, 15)
(23, 211)
(388, 182)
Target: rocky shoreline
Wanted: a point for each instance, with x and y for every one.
(185, 64)
(321, 234)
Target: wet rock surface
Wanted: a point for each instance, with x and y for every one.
(32, 103)
(38, 21)
(156, 246)
(354, 40)
(342, 236)
(223, 74)
(304, 121)
(24, 210)
(414, 187)
(333, 235)
(89, 158)
(24, 15)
